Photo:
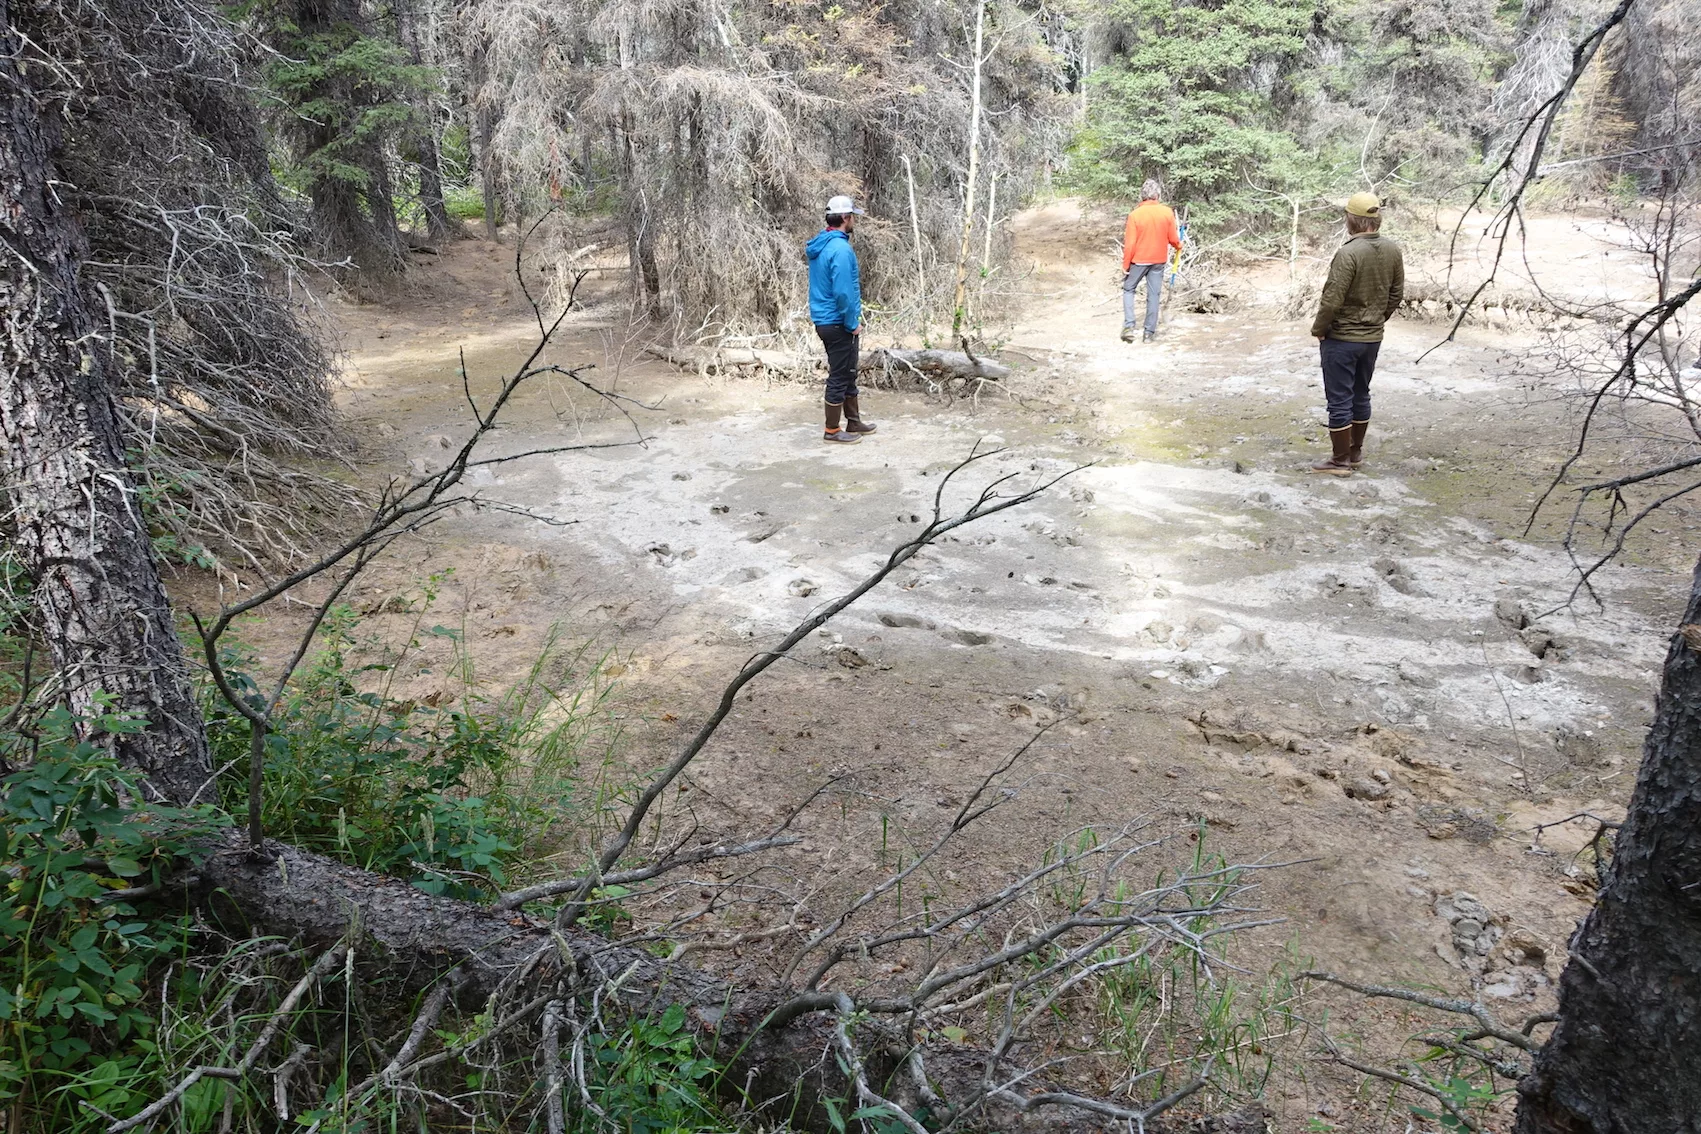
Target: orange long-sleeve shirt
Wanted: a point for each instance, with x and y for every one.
(1149, 234)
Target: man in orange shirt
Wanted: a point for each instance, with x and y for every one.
(1146, 240)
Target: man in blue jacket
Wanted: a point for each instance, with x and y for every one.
(835, 306)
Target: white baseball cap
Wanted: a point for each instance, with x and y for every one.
(841, 205)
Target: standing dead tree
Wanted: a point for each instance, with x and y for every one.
(72, 512)
(718, 134)
(192, 272)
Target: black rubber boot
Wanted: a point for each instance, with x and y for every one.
(853, 418)
(1355, 446)
(1336, 464)
(833, 432)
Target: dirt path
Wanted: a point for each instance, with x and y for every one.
(1329, 671)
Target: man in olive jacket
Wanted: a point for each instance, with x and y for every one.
(1367, 280)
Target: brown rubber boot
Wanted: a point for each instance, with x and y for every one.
(1355, 446)
(853, 418)
(1336, 465)
(833, 432)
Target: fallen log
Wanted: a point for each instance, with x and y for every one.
(893, 360)
(770, 1041)
(720, 360)
(946, 363)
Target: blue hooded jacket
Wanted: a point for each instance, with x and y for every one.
(835, 287)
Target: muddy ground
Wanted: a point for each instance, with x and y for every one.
(1355, 675)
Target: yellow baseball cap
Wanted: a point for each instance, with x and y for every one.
(1364, 205)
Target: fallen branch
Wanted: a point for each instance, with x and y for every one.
(303, 896)
(326, 962)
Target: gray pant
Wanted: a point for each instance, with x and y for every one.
(1153, 274)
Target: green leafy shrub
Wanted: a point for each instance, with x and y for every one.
(446, 795)
(76, 847)
(465, 203)
(650, 1074)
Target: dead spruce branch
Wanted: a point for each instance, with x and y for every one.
(513, 966)
(216, 359)
(1486, 1044)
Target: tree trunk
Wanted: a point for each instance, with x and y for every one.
(1625, 1056)
(424, 148)
(421, 140)
(959, 302)
(945, 363)
(484, 139)
(301, 896)
(78, 529)
(381, 204)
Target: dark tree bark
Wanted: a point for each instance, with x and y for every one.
(422, 148)
(419, 145)
(77, 523)
(484, 140)
(419, 937)
(352, 221)
(1625, 1055)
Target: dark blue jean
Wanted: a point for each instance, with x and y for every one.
(1347, 370)
(1153, 274)
(841, 361)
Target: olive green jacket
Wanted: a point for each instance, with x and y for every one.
(1367, 280)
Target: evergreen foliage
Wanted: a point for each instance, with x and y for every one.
(1243, 106)
(349, 94)
(1193, 98)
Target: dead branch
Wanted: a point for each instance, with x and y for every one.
(302, 896)
(1475, 1009)
(988, 502)
(327, 961)
(1541, 121)
(1338, 1056)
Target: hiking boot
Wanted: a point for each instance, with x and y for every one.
(1336, 464)
(841, 436)
(1149, 336)
(1355, 447)
(1127, 332)
(853, 418)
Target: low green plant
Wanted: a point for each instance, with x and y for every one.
(651, 1074)
(1168, 1012)
(464, 202)
(448, 792)
(77, 848)
(1465, 1094)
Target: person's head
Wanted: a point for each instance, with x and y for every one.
(842, 213)
(1151, 190)
(1364, 214)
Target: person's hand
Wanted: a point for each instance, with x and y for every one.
(857, 330)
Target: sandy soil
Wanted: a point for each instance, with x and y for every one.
(1220, 636)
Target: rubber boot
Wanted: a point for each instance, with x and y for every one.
(853, 418)
(833, 432)
(1355, 447)
(1336, 464)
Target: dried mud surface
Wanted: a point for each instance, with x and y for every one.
(1328, 672)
